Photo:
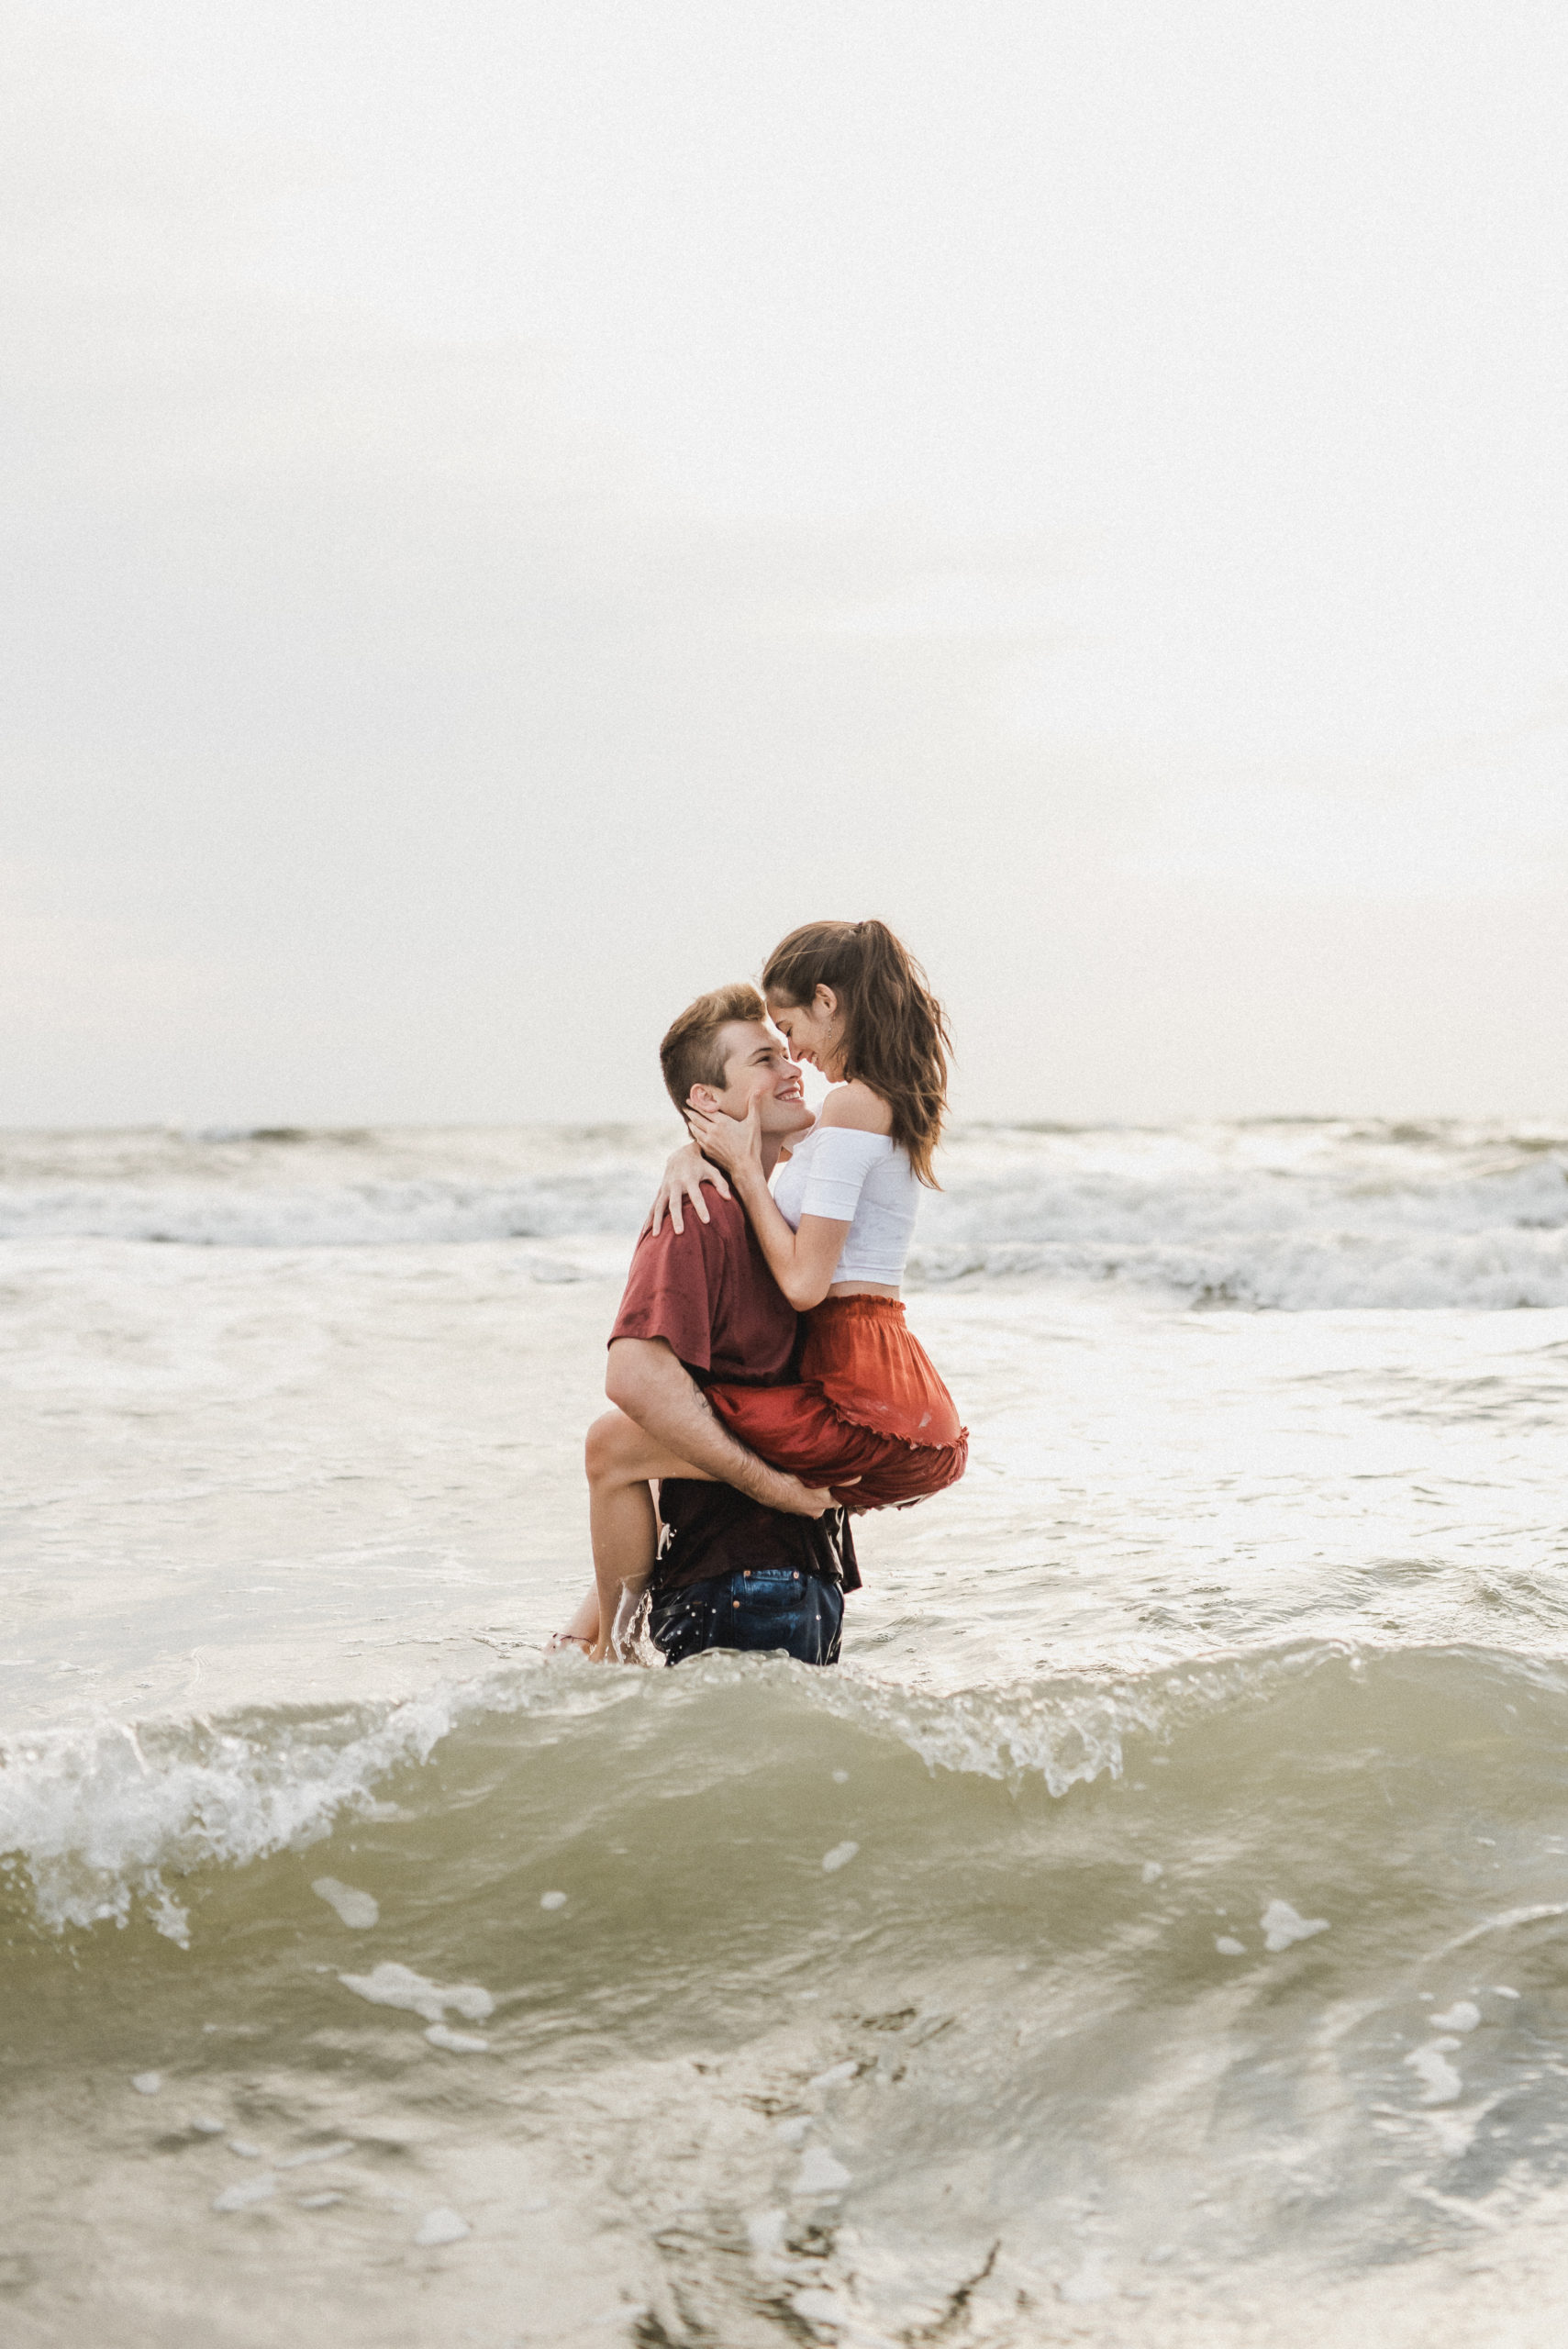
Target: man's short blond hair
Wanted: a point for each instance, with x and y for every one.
(689, 1054)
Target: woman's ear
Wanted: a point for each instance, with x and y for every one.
(825, 1003)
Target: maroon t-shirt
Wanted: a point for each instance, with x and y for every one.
(707, 1292)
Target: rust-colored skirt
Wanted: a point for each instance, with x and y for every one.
(869, 1405)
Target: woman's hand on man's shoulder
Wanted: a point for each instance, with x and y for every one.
(856, 1106)
(686, 1172)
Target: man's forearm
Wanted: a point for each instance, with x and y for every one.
(668, 1403)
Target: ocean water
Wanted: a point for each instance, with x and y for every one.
(1155, 1933)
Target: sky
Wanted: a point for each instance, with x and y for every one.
(510, 507)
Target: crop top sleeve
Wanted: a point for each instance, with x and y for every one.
(841, 1158)
(861, 1179)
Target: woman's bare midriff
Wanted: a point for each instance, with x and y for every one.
(862, 1289)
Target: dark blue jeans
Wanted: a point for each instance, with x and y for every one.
(753, 1607)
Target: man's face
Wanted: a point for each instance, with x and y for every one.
(757, 1067)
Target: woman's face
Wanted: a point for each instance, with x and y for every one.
(815, 1029)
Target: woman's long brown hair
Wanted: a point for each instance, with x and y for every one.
(896, 1032)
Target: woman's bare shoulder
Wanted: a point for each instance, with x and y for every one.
(856, 1106)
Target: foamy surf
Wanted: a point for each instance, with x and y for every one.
(104, 1820)
(909, 2002)
(1289, 1216)
(1150, 1932)
(102, 1817)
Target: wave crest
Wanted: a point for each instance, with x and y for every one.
(1289, 1216)
(100, 1820)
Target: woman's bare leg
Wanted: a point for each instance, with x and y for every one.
(622, 1461)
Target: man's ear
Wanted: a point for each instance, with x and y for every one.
(704, 1098)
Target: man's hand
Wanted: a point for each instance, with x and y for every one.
(796, 1499)
(644, 1380)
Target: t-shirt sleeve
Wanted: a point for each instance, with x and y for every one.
(672, 1292)
(841, 1158)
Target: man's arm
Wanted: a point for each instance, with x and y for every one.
(651, 1384)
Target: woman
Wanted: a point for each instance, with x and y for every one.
(868, 1418)
(836, 1225)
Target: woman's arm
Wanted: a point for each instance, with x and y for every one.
(803, 1262)
(686, 1172)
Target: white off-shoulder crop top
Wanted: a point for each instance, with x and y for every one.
(861, 1179)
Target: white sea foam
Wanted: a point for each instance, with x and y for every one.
(1088, 2282)
(1430, 2064)
(765, 2232)
(1286, 1215)
(99, 1817)
(1068, 1731)
(100, 1814)
(246, 2194)
(1289, 1215)
(391, 1985)
(1068, 1736)
(1283, 1926)
(456, 2043)
(819, 2306)
(357, 1910)
(820, 2173)
(440, 2226)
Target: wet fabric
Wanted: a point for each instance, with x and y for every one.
(757, 1609)
(710, 1529)
(707, 1292)
(869, 1405)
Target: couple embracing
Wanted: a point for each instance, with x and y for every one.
(760, 1372)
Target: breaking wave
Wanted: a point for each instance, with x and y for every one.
(101, 1821)
(1289, 1216)
(856, 2007)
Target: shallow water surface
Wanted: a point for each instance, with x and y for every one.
(1155, 1933)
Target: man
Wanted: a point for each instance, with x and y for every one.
(754, 1559)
